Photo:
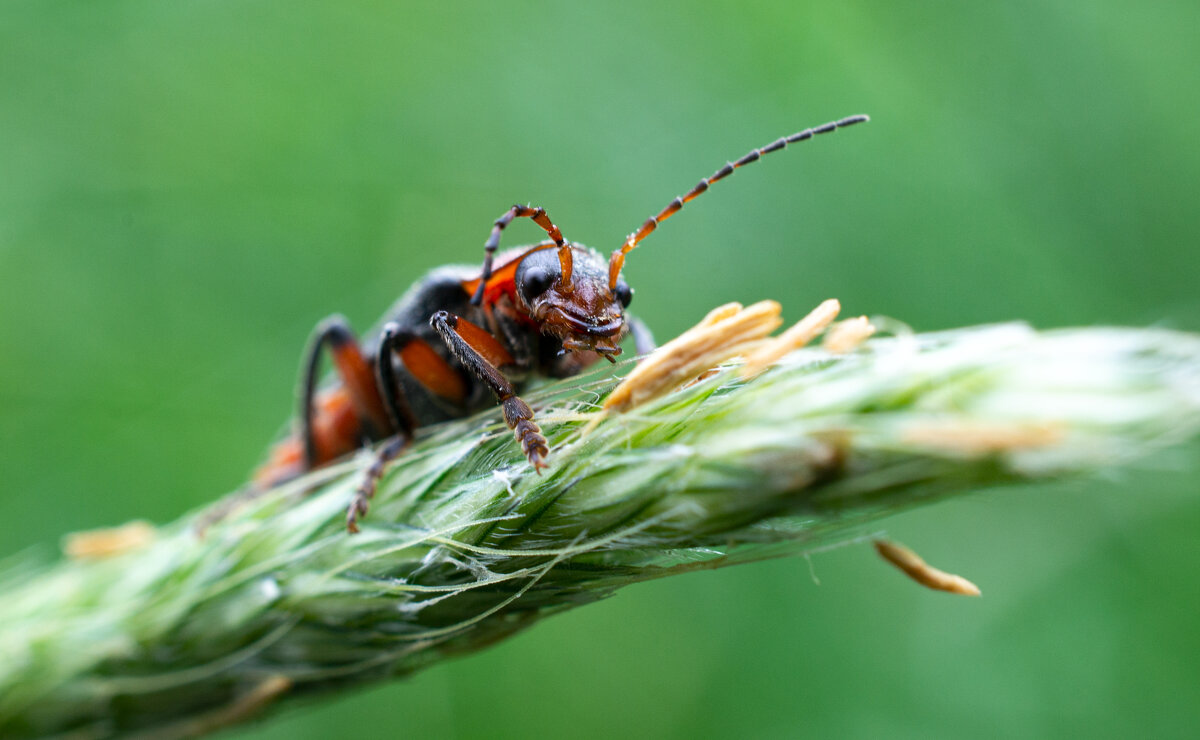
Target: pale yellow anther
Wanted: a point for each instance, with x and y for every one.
(720, 313)
(923, 573)
(974, 438)
(800, 334)
(726, 331)
(95, 544)
(847, 335)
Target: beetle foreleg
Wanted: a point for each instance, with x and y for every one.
(471, 345)
(643, 340)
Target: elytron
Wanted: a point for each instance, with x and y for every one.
(463, 338)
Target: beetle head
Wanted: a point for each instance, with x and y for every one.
(580, 310)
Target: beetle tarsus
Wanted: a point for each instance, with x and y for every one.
(536, 447)
(519, 418)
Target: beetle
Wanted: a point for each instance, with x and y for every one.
(463, 338)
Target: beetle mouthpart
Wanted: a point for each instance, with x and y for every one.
(573, 344)
(586, 327)
(608, 351)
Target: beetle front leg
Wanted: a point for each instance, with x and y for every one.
(643, 340)
(480, 352)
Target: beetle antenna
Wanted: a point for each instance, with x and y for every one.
(566, 264)
(539, 217)
(618, 257)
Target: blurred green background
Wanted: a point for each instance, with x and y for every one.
(189, 186)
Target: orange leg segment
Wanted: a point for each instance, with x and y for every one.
(358, 380)
(431, 370)
(482, 342)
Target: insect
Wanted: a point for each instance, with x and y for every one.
(463, 338)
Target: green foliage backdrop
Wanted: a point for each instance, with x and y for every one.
(189, 186)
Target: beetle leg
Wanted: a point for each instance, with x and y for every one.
(357, 379)
(479, 351)
(366, 489)
(430, 370)
(399, 413)
(423, 363)
(643, 340)
(391, 339)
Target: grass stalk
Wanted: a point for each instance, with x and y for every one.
(188, 631)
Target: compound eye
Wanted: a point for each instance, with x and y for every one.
(623, 293)
(536, 281)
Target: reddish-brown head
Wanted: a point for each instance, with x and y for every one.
(567, 293)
